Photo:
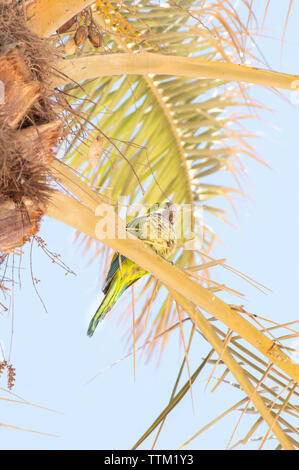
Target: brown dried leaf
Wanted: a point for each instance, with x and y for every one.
(21, 91)
(66, 26)
(94, 35)
(95, 152)
(17, 224)
(81, 35)
(70, 47)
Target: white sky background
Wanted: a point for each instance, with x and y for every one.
(54, 358)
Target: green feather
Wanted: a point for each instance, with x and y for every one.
(112, 270)
(124, 272)
(114, 292)
(122, 278)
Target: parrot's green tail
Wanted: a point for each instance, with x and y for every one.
(108, 301)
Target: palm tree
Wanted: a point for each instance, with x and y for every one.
(149, 117)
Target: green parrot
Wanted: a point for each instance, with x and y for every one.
(156, 228)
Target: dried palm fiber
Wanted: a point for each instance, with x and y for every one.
(29, 126)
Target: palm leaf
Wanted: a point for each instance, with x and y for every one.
(174, 131)
(165, 137)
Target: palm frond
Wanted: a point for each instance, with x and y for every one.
(175, 132)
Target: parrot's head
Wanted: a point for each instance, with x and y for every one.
(168, 209)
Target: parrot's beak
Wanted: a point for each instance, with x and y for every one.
(172, 213)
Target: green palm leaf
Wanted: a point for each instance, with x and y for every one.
(173, 131)
(165, 137)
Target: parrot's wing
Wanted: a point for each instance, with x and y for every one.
(112, 270)
(134, 227)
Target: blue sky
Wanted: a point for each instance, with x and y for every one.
(54, 358)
